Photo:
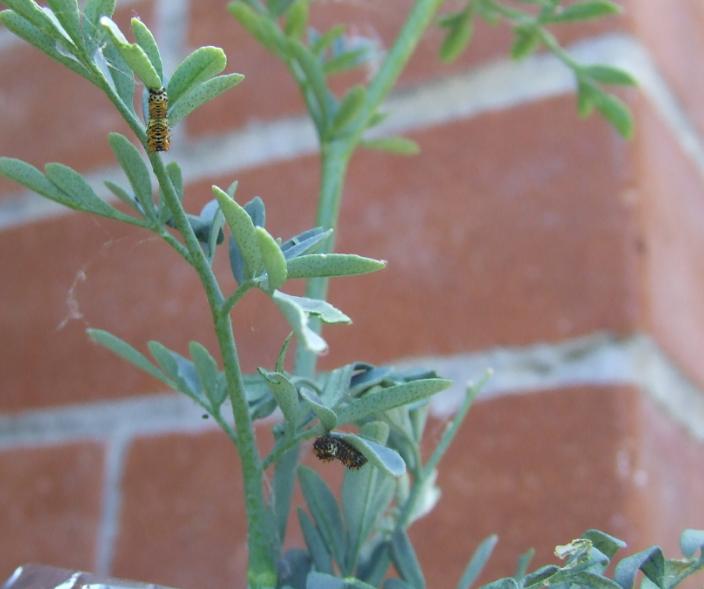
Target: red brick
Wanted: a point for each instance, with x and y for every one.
(269, 91)
(51, 114)
(672, 216)
(51, 505)
(540, 469)
(454, 282)
(674, 36)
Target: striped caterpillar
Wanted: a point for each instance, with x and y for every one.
(158, 137)
(329, 448)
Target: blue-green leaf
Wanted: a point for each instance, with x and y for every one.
(314, 542)
(478, 561)
(201, 65)
(208, 374)
(326, 415)
(285, 393)
(314, 265)
(650, 561)
(405, 560)
(387, 459)
(126, 352)
(67, 14)
(243, 232)
(76, 188)
(27, 175)
(133, 54)
(691, 541)
(605, 543)
(304, 242)
(145, 39)
(136, 171)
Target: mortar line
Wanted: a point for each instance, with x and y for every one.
(493, 86)
(600, 359)
(109, 521)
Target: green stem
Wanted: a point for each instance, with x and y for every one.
(262, 564)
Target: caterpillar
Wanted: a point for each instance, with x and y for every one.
(329, 448)
(158, 136)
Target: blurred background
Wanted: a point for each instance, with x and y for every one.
(521, 238)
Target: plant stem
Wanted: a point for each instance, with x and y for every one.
(262, 563)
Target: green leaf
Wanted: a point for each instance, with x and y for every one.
(279, 7)
(145, 39)
(405, 560)
(478, 561)
(93, 11)
(323, 43)
(605, 543)
(119, 73)
(261, 28)
(345, 61)
(297, 311)
(281, 358)
(387, 459)
(374, 567)
(314, 76)
(136, 170)
(606, 74)
(208, 374)
(199, 66)
(77, 189)
(311, 265)
(650, 561)
(126, 352)
(286, 395)
(376, 403)
(458, 36)
(526, 41)
(318, 580)
(691, 541)
(122, 194)
(282, 492)
(173, 170)
(534, 579)
(272, 258)
(326, 514)
(349, 108)
(200, 94)
(133, 54)
(591, 9)
(395, 145)
(31, 12)
(297, 18)
(617, 113)
(337, 384)
(304, 242)
(181, 371)
(243, 232)
(27, 175)
(326, 415)
(67, 14)
(314, 542)
(524, 563)
(45, 42)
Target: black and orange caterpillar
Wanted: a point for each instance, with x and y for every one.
(329, 448)
(158, 137)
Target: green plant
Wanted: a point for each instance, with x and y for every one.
(355, 541)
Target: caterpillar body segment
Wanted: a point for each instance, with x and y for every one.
(158, 134)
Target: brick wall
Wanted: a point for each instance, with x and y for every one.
(522, 238)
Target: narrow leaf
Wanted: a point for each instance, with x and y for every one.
(458, 37)
(76, 188)
(125, 351)
(405, 560)
(606, 74)
(208, 374)
(323, 507)
(387, 459)
(326, 415)
(591, 9)
(28, 176)
(145, 39)
(133, 54)
(315, 544)
(272, 258)
(261, 28)
(387, 398)
(199, 66)
(348, 109)
(650, 561)
(200, 94)
(285, 393)
(311, 265)
(478, 561)
(136, 171)
(297, 18)
(617, 113)
(605, 543)
(67, 14)
(394, 145)
(243, 231)
(282, 492)
(305, 242)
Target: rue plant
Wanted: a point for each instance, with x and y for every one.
(371, 418)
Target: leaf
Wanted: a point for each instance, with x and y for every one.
(42, 40)
(478, 561)
(181, 371)
(523, 564)
(282, 492)
(387, 459)
(297, 18)
(122, 194)
(691, 541)
(323, 507)
(326, 415)
(606, 74)
(322, 43)
(396, 584)
(591, 9)
(76, 188)
(535, 578)
(272, 258)
(281, 358)
(617, 113)
(374, 568)
(376, 403)
(136, 170)
(293, 567)
(650, 561)
(314, 76)
(208, 374)
(506, 583)
(297, 311)
(337, 384)
(526, 41)
(314, 542)
(200, 94)
(345, 61)
(30, 177)
(458, 36)
(67, 14)
(133, 54)
(243, 232)
(261, 28)
(349, 108)
(125, 351)
(202, 64)
(173, 170)
(256, 210)
(119, 72)
(313, 265)
(405, 560)
(285, 393)
(318, 580)
(605, 543)
(33, 14)
(145, 39)
(394, 145)
(304, 242)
